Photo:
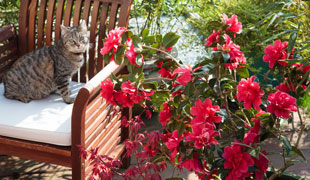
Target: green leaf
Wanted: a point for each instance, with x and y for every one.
(139, 59)
(113, 77)
(226, 56)
(177, 88)
(227, 86)
(276, 35)
(215, 24)
(159, 38)
(243, 72)
(255, 152)
(149, 39)
(119, 55)
(291, 42)
(136, 41)
(306, 75)
(150, 85)
(170, 39)
(212, 82)
(145, 33)
(298, 152)
(286, 144)
(106, 59)
(124, 37)
(168, 64)
(180, 107)
(189, 88)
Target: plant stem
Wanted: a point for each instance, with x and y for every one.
(292, 158)
(302, 127)
(252, 148)
(218, 80)
(300, 117)
(156, 78)
(228, 113)
(164, 52)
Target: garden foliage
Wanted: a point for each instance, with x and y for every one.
(214, 115)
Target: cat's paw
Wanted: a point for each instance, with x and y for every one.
(69, 100)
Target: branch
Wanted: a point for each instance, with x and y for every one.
(164, 52)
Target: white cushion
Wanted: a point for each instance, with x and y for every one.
(47, 120)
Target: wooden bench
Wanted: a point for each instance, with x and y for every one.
(93, 122)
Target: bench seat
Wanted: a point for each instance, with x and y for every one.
(47, 120)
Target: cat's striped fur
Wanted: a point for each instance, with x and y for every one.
(39, 73)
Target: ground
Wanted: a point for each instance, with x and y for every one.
(16, 168)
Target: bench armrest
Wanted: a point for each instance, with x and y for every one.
(94, 122)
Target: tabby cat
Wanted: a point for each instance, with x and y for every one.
(39, 73)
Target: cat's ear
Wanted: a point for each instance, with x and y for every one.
(64, 29)
(83, 26)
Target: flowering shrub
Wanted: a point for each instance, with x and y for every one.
(214, 116)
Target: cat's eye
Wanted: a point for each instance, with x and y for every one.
(81, 38)
(71, 41)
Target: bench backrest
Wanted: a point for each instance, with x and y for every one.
(40, 20)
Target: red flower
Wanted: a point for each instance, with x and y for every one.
(165, 114)
(184, 75)
(305, 69)
(214, 37)
(131, 54)
(173, 144)
(234, 25)
(250, 93)
(236, 56)
(128, 96)
(284, 87)
(193, 164)
(169, 49)
(252, 136)
(237, 161)
(148, 114)
(275, 53)
(164, 72)
(262, 165)
(107, 91)
(205, 112)
(203, 135)
(113, 40)
(281, 104)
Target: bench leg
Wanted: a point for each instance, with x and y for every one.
(78, 168)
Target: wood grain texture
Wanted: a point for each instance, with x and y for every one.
(32, 23)
(103, 109)
(102, 34)
(36, 151)
(78, 133)
(96, 120)
(49, 21)
(59, 14)
(112, 17)
(68, 10)
(41, 22)
(124, 13)
(77, 12)
(93, 105)
(92, 39)
(23, 27)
